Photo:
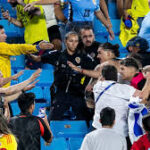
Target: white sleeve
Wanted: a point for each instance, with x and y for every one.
(124, 144)
(129, 91)
(86, 144)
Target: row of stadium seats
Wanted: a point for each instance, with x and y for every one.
(57, 143)
(67, 134)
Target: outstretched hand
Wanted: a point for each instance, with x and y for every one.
(35, 75)
(16, 76)
(111, 33)
(35, 57)
(74, 67)
(44, 45)
(30, 86)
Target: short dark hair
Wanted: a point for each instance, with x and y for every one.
(86, 27)
(25, 100)
(130, 62)
(109, 72)
(110, 47)
(146, 124)
(107, 116)
(1, 27)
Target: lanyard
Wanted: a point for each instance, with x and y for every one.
(104, 91)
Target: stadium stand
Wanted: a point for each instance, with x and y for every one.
(68, 128)
(75, 143)
(57, 144)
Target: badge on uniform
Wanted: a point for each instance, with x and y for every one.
(78, 60)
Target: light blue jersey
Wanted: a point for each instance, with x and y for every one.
(83, 10)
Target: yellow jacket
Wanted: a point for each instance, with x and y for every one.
(7, 50)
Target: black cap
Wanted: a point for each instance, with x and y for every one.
(138, 42)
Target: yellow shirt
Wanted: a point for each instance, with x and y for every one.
(8, 142)
(140, 7)
(35, 28)
(7, 50)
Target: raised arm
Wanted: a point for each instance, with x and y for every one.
(11, 19)
(91, 73)
(4, 81)
(18, 49)
(18, 87)
(101, 17)
(104, 9)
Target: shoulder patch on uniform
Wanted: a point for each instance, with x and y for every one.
(78, 60)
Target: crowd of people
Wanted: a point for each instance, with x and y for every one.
(90, 79)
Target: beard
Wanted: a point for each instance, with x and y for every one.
(14, 4)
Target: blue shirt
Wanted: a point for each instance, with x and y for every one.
(83, 10)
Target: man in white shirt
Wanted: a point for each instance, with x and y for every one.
(109, 93)
(105, 138)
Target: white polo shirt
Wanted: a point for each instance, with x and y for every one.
(104, 139)
(116, 97)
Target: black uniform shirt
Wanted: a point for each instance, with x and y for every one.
(91, 50)
(65, 77)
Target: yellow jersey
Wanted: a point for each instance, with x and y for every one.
(35, 27)
(7, 50)
(8, 142)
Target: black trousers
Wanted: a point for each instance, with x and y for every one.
(63, 101)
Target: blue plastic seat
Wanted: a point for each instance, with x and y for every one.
(7, 6)
(75, 143)
(47, 66)
(45, 79)
(101, 34)
(57, 144)
(116, 26)
(38, 91)
(46, 92)
(13, 82)
(117, 41)
(112, 9)
(15, 108)
(18, 62)
(12, 30)
(99, 28)
(69, 128)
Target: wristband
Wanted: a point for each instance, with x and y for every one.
(38, 47)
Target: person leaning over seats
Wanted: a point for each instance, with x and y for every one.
(7, 50)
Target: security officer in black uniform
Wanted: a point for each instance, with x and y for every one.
(88, 45)
(69, 84)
